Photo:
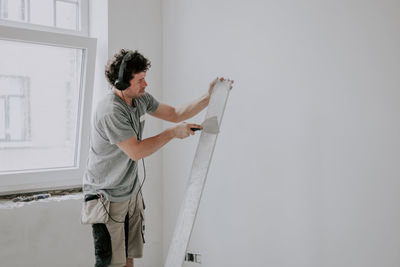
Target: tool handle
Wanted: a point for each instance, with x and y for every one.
(195, 129)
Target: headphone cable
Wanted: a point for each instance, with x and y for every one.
(144, 167)
(136, 198)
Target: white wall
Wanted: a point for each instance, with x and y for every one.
(137, 25)
(45, 234)
(305, 171)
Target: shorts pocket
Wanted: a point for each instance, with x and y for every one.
(95, 211)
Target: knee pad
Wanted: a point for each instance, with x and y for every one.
(102, 245)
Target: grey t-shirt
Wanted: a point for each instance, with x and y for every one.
(109, 170)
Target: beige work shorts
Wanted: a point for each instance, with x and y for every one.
(125, 227)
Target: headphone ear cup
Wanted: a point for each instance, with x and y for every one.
(121, 85)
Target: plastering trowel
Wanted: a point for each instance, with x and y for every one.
(210, 126)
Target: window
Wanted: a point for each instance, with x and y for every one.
(67, 15)
(46, 81)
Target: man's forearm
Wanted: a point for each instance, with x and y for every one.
(137, 150)
(150, 145)
(192, 109)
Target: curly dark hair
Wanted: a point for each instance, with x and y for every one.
(136, 64)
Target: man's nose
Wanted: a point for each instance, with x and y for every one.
(144, 83)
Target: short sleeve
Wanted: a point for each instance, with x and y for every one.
(116, 127)
(151, 103)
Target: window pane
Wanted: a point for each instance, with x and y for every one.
(49, 109)
(14, 9)
(10, 85)
(52, 13)
(67, 15)
(42, 12)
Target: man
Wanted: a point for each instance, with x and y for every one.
(113, 200)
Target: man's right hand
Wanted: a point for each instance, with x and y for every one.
(183, 130)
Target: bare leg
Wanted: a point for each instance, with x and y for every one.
(129, 262)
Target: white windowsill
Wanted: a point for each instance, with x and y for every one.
(9, 204)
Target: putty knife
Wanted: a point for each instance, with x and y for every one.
(210, 126)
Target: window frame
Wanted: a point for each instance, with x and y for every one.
(39, 180)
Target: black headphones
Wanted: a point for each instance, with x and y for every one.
(120, 84)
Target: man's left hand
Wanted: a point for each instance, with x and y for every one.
(212, 84)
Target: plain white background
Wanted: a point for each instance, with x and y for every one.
(306, 167)
(305, 171)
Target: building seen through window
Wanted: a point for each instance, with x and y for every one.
(14, 108)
